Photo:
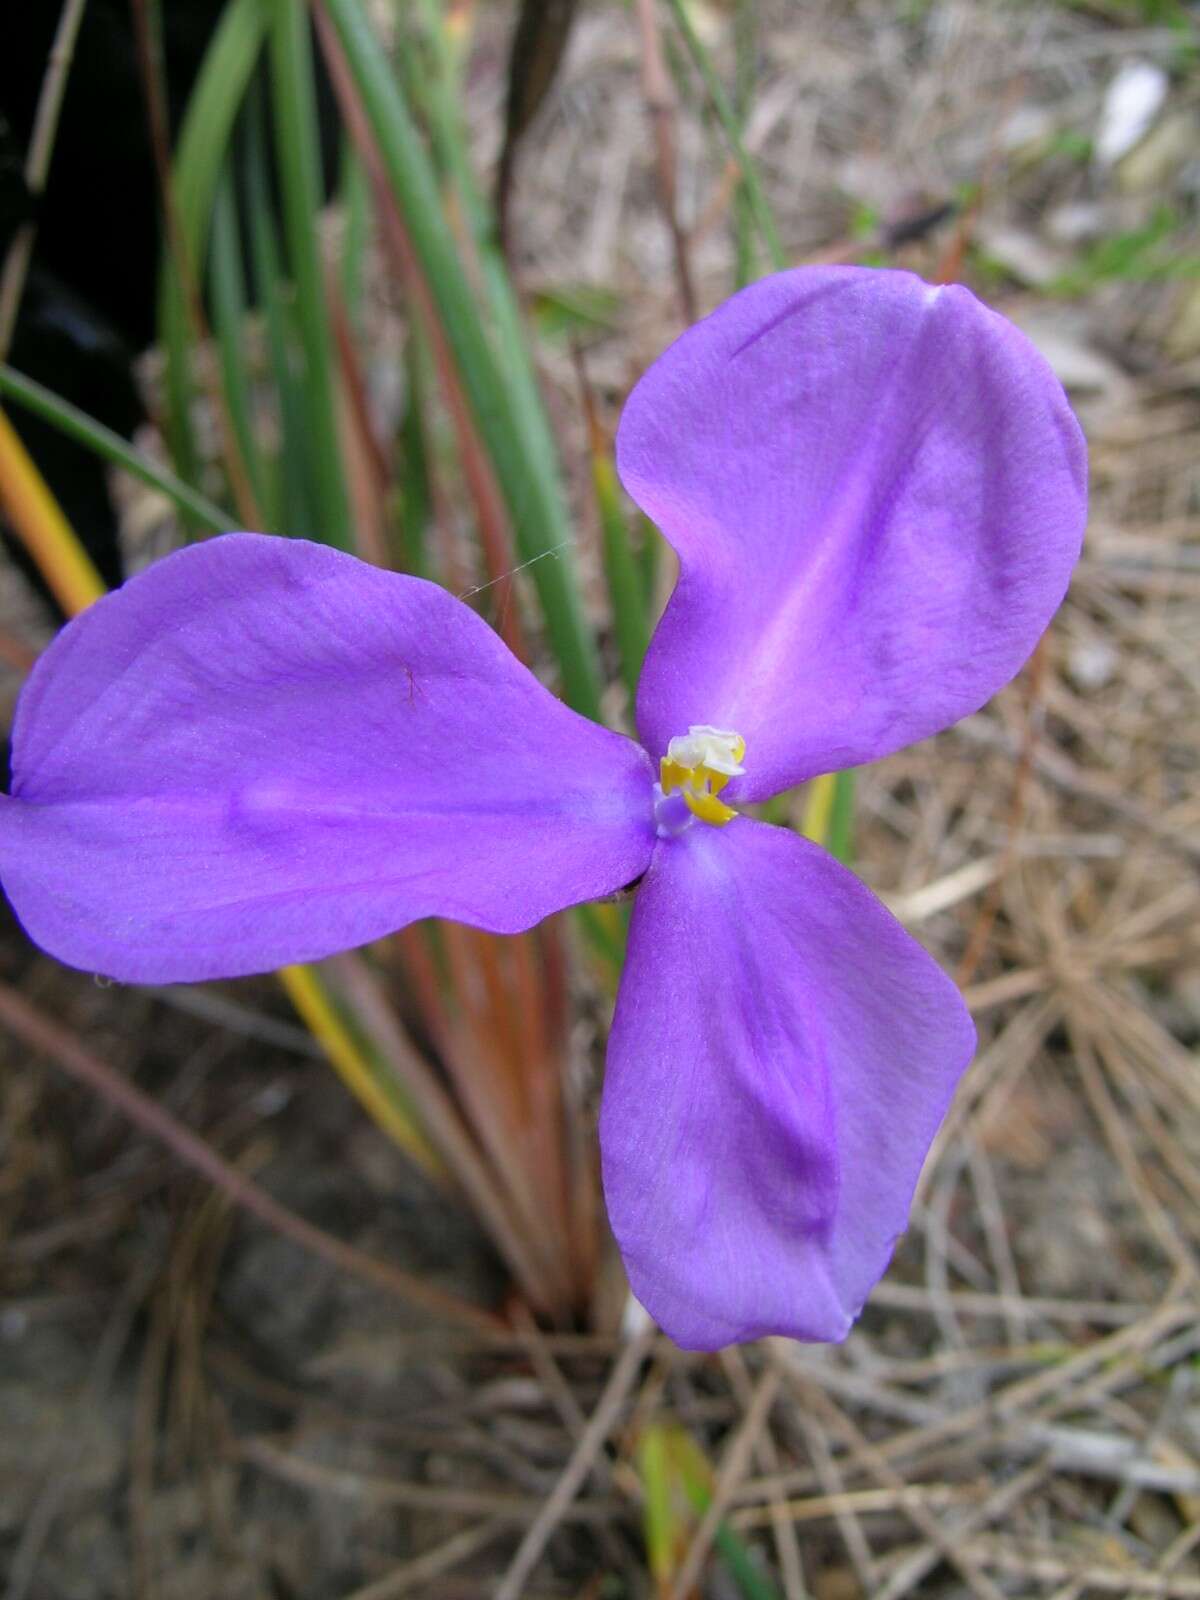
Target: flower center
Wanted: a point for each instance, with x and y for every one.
(696, 767)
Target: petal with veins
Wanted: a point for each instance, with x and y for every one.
(781, 1056)
(262, 751)
(877, 492)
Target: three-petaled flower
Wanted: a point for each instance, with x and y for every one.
(262, 751)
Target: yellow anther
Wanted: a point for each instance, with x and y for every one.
(700, 764)
(708, 808)
(671, 775)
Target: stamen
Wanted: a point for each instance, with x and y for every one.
(698, 765)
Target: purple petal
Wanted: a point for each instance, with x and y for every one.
(781, 1056)
(262, 751)
(877, 492)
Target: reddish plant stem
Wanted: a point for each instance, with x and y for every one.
(440, 1117)
(488, 1113)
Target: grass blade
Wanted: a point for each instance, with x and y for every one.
(535, 505)
(745, 30)
(43, 530)
(841, 821)
(371, 1084)
(109, 445)
(621, 571)
(355, 194)
(605, 928)
(539, 40)
(650, 548)
(229, 325)
(291, 494)
(442, 101)
(695, 1475)
(626, 595)
(818, 808)
(199, 156)
(661, 1529)
(728, 118)
(829, 813)
(436, 1112)
(416, 499)
(177, 379)
(294, 102)
(212, 111)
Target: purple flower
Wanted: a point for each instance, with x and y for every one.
(262, 751)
